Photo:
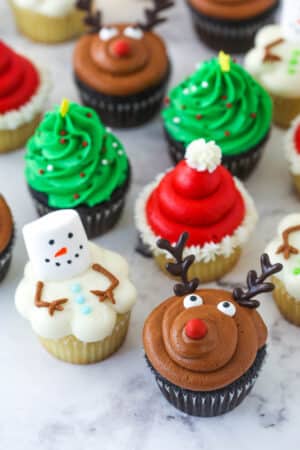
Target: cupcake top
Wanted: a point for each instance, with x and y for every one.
(74, 159)
(123, 58)
(219, 101)
(23, 89)
(71, 286)
(201, 197)
(50, 8)
(292, 146)
(203, 340)
(275, 61)
(232, 9)
(285, 249)
(6, 225)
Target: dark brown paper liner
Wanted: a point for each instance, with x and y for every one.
(213, 403)
(229, 35)
(5, 259)
(124, 111)
(241, 165)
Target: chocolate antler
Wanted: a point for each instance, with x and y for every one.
(181, 266)
(92, 19)
(152, 15)
(256, 284)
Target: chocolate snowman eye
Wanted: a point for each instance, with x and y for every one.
(106, 33)
(51, 242)
(227, 308)
(133, 33)
(192, 300)
(70, 235)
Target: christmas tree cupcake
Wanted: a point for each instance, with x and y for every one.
(76, 295)
(275, 63)
(48, 21)
(6, 237)
(122, 69)
(73, 161)
(24, 88)
(205, 347)
(221, 102)
(292, 152)
(285, 249)
(201, 197)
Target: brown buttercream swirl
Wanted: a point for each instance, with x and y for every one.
(6, 224)
(232, 9)
(97, 65)
(223, 355)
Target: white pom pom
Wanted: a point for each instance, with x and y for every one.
(202, 155)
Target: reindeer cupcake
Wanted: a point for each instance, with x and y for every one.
(206, 347)
(122, 69)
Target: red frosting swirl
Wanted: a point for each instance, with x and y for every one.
(206, 205)
(19, 79)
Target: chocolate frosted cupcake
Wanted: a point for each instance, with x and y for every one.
(231, 24)
(122, 70)
(220, 102)
(201, 197)
(73, 161)
(6, 237)
(206, 347)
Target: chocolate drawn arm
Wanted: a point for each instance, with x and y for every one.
(53, 306)
(285, 247)
(108, 293)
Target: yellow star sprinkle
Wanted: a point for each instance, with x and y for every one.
(64, 107)
(224, 61)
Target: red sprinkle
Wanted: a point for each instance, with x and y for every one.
(63, 133)
(89, 115)
(84, 144)
(228, 105)
(76, 196)
(82, 174)
(199, 116)
(224, 97)
(253, 115)
(41, 171)
(63, 141)
(167, 101)
(227, 133)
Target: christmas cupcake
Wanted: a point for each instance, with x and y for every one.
(122, 70)
(292, 151)
(275, 63)
(201, 197)
(76, 295)
(285, 249)
(73, 161)
(221, 102)
(48, 21)
(230, 24)
(24, 89)
(6, 237)
(205, 347)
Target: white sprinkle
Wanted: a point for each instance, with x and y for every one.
(108, 129)
(115, 145)
(204, 84)
(50, 168)
(104, 162)
(194, 88)
(120, 152)
(176, 120)
(186, 91)
(198, 65)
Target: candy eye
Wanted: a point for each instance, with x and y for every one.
(192, 300)
(227, 308)
(133, 33)
(51, 242)
(106, 34)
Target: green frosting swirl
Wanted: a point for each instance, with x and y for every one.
(74, 159)
(230, 108)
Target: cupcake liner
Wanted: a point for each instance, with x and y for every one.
(296, 182)
(49, 30)
(229, 35)
(287, 305)
(5, 260)
(96, 220)
(212, 403)
(206, 272)
(14, 139)
(241, 165)
(285, 110)
(74, 351)
(124, 111)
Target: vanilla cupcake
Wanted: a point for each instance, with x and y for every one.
(201, 197)
(48, 21)
(285, 249)
(292, 151)
(76, 295)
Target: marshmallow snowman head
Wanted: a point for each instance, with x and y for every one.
(57, 246)
(290, 20)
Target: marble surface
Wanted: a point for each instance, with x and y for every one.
(50, 405)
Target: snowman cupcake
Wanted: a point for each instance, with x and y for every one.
(76, 295)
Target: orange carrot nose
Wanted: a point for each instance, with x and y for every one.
(62, 251)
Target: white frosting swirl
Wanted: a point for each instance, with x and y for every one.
(202, 155)
(50, 8)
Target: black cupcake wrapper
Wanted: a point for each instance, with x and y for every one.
(124, 111)
(240, 166)
(5, 258)
(228, 35)
(214, 403)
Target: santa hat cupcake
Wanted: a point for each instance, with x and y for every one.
(292, 151)
(201, 197)
(23, 91)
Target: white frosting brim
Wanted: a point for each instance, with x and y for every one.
(50, 8)
(292, 156)
(210, 250)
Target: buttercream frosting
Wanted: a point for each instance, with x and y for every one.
(50, 8)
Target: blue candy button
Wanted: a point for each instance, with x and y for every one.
(76, 287)
(80, 299)
(86, 309)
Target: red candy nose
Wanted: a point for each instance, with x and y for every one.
(121, 48)
(62, 251)
(195, 329)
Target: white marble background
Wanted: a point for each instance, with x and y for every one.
(49, 405)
